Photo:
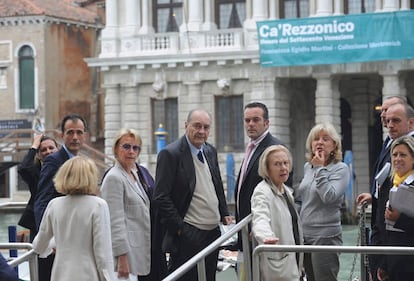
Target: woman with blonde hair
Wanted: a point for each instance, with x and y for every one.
(275, 220)
(78, 225)
(128, 198)
(322, 192)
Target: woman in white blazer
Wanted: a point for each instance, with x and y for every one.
(275, 220)
(79, 224)
(129, 208)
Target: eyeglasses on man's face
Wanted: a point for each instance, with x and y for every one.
(127, 147)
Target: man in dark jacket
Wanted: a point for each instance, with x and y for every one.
(256, 123)
(189, 197)
(74, 135)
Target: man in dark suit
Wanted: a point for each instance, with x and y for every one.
(73, 132)
(189, 197)
(256, 123)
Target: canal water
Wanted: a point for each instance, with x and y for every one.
(350, 236)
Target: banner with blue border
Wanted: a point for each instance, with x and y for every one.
(337, 39)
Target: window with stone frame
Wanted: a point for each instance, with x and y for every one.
(359, 6)
(26, 78)
(229, 123)
(165, 113)
(230, 13)
(290, 9)
(168, 15)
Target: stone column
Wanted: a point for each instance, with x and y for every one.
(324, 8)
(249, 23)
(338, 7)
(405, 5)
(274, 12)
(194, 96)
(183, 27)
(391, 85)
(146, 9)
(280, 110)
(390, 5)
(110, 45)
(195, 15)
(209, 23)
(327, 103)
(130, 101)
(312, 8)
(270, 92)
(260, 10)
(111, 13)
(378, 5)
(132, 13)
(112, 115)
(360, 150)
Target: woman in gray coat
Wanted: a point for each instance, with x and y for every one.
(322, 192)
(129, 208)
(275, 221)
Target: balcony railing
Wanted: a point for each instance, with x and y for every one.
(142, 45)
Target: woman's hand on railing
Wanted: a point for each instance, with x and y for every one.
(271, 240)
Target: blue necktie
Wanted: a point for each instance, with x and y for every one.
(200, 156)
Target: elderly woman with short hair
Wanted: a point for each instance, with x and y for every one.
(127, 195)
(275, 220)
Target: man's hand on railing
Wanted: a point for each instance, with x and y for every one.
(227, 220)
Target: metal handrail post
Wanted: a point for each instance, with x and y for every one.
(247, 253)
(201, 269)
(29, 256)
(255, 269)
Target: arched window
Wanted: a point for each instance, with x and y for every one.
(26, 78)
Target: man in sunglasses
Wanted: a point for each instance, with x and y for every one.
(189, 197)
(73, 134)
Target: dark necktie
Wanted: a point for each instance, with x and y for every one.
(200, 156)
(294, 216)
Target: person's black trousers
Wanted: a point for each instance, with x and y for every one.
(191, 241)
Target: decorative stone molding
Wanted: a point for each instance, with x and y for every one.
(223, 84)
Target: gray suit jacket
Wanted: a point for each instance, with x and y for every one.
(129, 209)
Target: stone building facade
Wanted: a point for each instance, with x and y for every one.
(159, 59)
(43, 74)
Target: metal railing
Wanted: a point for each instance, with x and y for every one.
(29, 256)
(199, 259)
(372, 250)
